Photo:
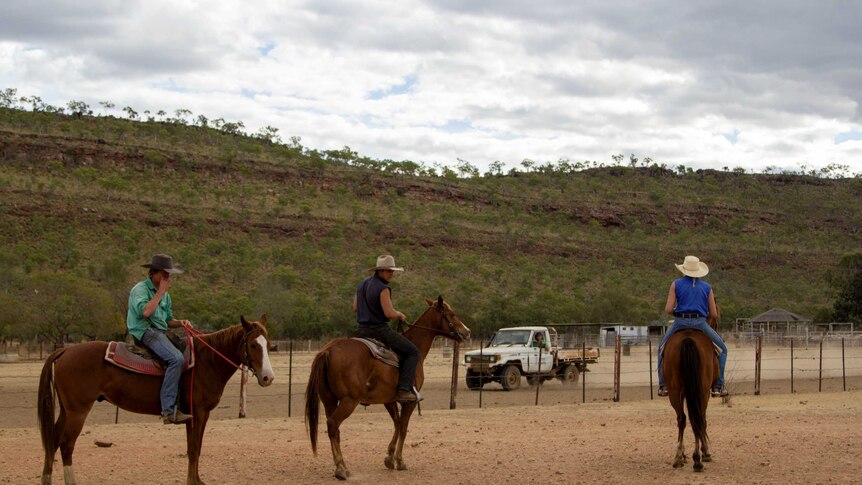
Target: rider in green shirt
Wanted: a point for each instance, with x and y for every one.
(148, 320)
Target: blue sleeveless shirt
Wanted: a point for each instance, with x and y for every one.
(692, 299)
(369, 311)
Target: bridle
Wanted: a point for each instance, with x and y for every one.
(244, 361)
(452, 333)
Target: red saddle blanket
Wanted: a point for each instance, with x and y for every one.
(379, 352)
(129, 357)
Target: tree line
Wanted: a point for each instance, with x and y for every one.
(10, 99)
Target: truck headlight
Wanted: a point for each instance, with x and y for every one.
(495, 358)
(468, 358)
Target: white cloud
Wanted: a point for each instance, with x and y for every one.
(437, 80)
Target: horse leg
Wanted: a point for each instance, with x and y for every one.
(698, 465)
(333, 422)
(48, 468)
(679, 459)
(389, 461)
(406, 412)
(194, 439)
(71, 430)
(704, 448)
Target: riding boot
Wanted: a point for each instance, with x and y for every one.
(176, 417)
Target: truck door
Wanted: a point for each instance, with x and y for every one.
(532, 362)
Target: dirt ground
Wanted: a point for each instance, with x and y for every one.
(776, 437)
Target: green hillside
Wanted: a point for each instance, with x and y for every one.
(262, 226)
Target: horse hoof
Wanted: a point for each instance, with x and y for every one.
(707, 458)
(698, 467)
(401, 465)
(341, 475)
(389, 462)
(677, 464)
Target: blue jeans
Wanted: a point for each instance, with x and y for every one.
(158, 343)
(698, 324)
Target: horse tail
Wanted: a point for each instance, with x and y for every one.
(312, 395)
(691, 379)
(45, 407)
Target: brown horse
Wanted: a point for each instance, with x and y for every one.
(80, 376)
(344, 374)
(690, 366)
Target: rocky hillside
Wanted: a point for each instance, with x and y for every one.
(288, 230)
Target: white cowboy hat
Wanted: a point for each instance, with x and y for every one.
(386, 262)
(693, 267)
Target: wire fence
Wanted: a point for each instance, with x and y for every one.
(626, 374)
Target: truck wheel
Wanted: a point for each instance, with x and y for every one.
(474, 380)
(570, 374)
(510, 378)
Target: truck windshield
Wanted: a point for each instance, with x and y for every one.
(510, 337)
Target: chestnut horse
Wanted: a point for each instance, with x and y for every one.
(80, 376)
(344, 374)
(690, 366)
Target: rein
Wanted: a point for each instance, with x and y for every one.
(197, 335)
(442, 311)
(244, 342)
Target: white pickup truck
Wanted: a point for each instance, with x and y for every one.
(513, 352)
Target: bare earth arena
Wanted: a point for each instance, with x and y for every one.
(776, 437)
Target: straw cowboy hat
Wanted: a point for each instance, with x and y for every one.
(163, 262)
(693, 267)
(386, 262)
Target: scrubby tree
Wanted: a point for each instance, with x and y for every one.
(8, 98)
(269, 133)
(846, 282)
(66, 306)
(495, 169)
(130, 112)
(79, 108)
(466, 169)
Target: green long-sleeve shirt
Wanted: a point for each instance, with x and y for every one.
(140, 295)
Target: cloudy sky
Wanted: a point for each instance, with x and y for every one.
(745, 84)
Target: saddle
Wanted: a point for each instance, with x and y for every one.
(379, 351)
(138, 358)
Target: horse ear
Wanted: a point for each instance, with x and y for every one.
(245, 323)
(262, 320)
(440, 301)
(429, 302)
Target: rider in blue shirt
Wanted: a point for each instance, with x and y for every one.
(691, 300)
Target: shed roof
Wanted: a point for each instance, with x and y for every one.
(778, 315)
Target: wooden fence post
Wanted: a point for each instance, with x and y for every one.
(617, 369)
(792, 390)
(481, 370)
(454, 389)
(584, 372)
(757, 359)
(243, 383)
(539, 379)
(650, 369)
(843, 365)
(820, 378)
(290, 379)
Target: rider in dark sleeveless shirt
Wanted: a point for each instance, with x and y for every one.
(373, 306)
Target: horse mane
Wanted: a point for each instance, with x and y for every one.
(222, 338)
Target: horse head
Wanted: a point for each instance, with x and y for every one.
(255, 342)
(448, 322)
